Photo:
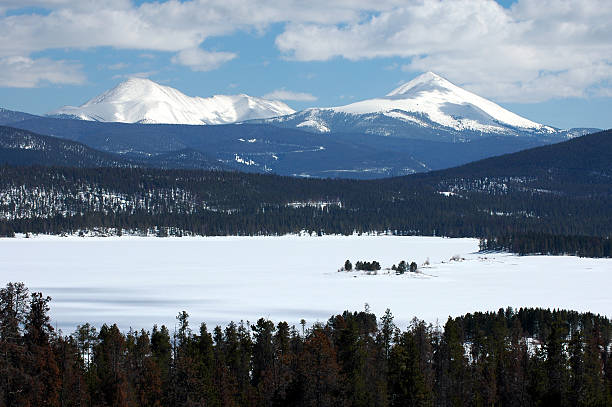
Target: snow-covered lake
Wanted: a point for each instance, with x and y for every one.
(137, 281)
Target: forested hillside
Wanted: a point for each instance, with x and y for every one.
(24, 148)
(547, 244)
(581, 166)
(487, 198)
(525, 357)
(265, 148)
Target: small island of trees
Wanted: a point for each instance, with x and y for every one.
(374, 266)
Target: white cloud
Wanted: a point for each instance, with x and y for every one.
(200, 60)
(23, 72)
(146, 74)
(536, 50)
(118, 66)
(284, 94)
(160, 26)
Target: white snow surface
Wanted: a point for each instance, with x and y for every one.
(139, 281)
(443, 103)
(139, 100)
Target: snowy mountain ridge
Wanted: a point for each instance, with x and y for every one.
(139, 100)
(426, 102)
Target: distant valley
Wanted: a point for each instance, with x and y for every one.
(424, 125)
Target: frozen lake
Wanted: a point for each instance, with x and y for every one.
(136, 281)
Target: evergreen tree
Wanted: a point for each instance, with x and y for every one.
(44, 385)
(112, 386)
(161, 356)
(556, 365)
(406, 380)
(319, 372)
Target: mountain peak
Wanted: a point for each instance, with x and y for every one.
(140, 100)
(135, 81)
(429, 100)
(134, 88)
(426, 81)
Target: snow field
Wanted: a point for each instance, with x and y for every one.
(137, 281)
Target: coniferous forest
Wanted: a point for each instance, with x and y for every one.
(180, 202)
(562, 189)
(525, 357)
(547, 244)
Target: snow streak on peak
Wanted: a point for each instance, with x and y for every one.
(139, 100)
(446, 104)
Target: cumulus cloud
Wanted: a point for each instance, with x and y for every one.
(536, 50)
(23, 72)
(532, 52)
(161, 26)
(200, 60)
(172, 26)
(284, 94)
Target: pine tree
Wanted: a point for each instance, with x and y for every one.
(112, 386)
(556, 365)
(319, 372)
(13, 311)
(14, 378)
(263, 349)
(406, 380)
(161, 355)
(44, 386)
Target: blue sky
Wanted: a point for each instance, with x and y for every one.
(549, 61)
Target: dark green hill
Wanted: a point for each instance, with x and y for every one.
(24, 148)
(578, 167)
(11, 116)
(578, 157)
(21, 147)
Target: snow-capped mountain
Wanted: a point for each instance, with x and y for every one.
(140, 100)
(428, 102)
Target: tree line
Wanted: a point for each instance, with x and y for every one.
(180, 202)
(547, 244)
(525, 357)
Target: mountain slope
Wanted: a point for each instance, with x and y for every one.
(10, 116)
(266, 148)
(24, 148)
(555, 195)
(428, 107)
(21, 147)
(589, 154)
(578, 167)
(143, 101)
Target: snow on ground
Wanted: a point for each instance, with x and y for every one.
(138, 281)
